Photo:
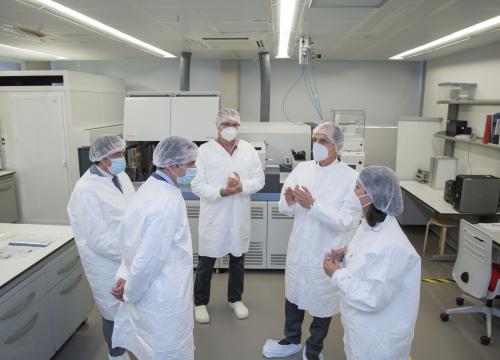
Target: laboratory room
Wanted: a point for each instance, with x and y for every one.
(243, 180)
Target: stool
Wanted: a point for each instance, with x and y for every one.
(443, 224)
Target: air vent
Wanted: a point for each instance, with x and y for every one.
(275, 214)
(26, 33)
(257, 213)
(278, 259)
(253, 258)
(193, 211)
(346, 3)
(233, 43)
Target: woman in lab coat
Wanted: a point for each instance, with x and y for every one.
(379, 280)
(319, 194)
(95, 210)
(155, 279)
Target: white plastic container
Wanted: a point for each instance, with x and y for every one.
(456, 91)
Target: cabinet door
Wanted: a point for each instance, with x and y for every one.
(40, 157)
(29, 336)
(8, 210)
(279, 227)
(62, 266)
(70, 303)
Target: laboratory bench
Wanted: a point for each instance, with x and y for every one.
(44, 294)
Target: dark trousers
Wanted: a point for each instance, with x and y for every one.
(293, 328)
(203, 279)
(107, 330)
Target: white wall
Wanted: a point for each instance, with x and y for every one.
(150, 75)
(482, 66)
(385, 90)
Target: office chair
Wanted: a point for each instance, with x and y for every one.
(475, 274)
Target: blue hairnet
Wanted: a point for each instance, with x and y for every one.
(104, 146)
(382, 184)
(174, 151)
(228, 114)
(332, 132)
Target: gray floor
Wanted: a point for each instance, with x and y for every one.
(227, 338)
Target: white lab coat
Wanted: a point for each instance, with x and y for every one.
(95, 210)
(224, 225)
(380, 287)
(155, 321)
(329, 224)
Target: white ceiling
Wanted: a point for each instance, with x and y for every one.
(179, 25)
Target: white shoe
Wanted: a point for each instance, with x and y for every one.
(121, 357)
(201, 314)
(273, 349)
(240, 310)
(304, 355)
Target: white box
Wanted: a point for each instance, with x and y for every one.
(442, 169)
(456, 91)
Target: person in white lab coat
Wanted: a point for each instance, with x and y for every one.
(95, 210)
(319, 194)
(379, 280)
(228, 172)
(155, 279)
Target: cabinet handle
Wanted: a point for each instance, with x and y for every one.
(72, 286)
(23, 331)
(69, 267)
(24, 304)
(5, 188)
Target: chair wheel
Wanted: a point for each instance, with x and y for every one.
(485, 340)
(460, 301)
(444, 317)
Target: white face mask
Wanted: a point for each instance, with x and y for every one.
(320, 152)
(229, 133)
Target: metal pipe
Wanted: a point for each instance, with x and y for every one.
(265, 86)
(185, 70)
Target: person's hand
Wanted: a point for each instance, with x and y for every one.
(303, 196)
(119, 289)
(337, 254)
(233, 186)
(330, 267)
(289, 196)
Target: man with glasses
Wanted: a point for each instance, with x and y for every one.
(228, 172)
(95, 210)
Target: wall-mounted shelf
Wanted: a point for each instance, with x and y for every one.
(471, 102)
(443, 135)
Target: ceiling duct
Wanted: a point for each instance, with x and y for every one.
(233, 43)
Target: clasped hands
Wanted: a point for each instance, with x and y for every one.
(332, 261)
(300, 195)
(233, 185)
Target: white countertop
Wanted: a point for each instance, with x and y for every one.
(12, 267)
(432, 197)
(6, 172)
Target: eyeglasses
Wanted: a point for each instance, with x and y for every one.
(117, 155)
(229, 124)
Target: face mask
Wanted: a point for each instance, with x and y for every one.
(363, 206)
(117, 166)
(186, 179)
(229, 133)
(320, 152)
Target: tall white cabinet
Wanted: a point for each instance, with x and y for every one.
(44, 117)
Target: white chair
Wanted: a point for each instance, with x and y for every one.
(475, 274)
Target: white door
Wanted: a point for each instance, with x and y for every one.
(40, 157)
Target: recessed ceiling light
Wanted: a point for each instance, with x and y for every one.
(32, 52)
(74, 16)
(454, 38)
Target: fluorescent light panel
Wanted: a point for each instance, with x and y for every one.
(32, 52)
(287, 12)
(456, 37)
(74, 16)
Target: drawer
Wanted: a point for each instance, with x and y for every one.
(16, 301)
(62, 266)
(70, 302)
(30, 335)
(8, 209)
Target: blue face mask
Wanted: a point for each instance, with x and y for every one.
(186, 179)
(117, 166)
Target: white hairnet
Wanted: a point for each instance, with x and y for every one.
(332, 132)
(382, 184)
(104, 146)
(174, 151)
(228, 114)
